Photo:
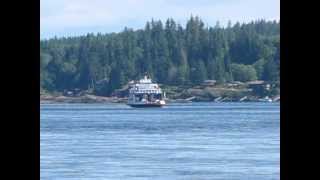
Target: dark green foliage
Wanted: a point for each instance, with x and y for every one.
(259, 67)
(243, 72)
(271, 71)
(169, 53)
(198, 72)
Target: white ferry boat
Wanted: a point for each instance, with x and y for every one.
(146, 94)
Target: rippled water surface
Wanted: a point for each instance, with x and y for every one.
(195, 141)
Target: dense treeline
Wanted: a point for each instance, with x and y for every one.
(170, 53)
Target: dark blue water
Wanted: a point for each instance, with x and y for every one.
(195, 141)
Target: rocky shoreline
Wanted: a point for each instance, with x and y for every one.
(49, 99)
(255, 91)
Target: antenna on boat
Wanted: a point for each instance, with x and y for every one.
(146, 76)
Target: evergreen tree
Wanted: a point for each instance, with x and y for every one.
(198, 73)
(243, 72)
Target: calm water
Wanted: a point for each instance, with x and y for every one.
(195, 141)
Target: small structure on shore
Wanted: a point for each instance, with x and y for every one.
(259, 86)
(209, 82)
(276, 99)
(218, 99)
(265, 99)
(257, 82)
(243, 98)
(73, 93)
(235, 84)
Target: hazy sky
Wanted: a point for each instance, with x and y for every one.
(77, 17)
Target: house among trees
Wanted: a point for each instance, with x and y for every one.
(255, 83)
(209, 82)
(123, 91)
(235, 84)
(260, 87)
(73, 93)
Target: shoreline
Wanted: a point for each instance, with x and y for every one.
(92, 99)
(256, 91)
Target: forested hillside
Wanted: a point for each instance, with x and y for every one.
(171, 53)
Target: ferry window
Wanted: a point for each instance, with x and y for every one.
(158, 96)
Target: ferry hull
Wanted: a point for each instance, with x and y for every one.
(145, 105)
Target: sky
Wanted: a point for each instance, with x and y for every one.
(64, 18)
